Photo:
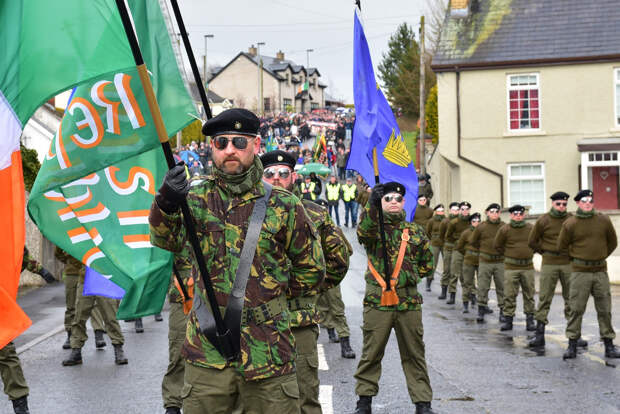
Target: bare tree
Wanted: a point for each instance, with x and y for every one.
(436, 10)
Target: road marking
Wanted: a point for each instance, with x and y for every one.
(40, 339)
(325, 398)
(322, 361)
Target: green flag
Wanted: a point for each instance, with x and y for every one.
(96, 185)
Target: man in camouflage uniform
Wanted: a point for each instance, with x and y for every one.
(589, 237)
(83, 310)
(288, 262)
(279, 171)
(470, 262)
(432, 231)
(456, 226)
(423, 213)
(411, 259)
(10, 367)
(447, 248)
(71, 275)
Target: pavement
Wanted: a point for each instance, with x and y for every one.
(473, 368)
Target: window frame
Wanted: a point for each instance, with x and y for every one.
(543, 176)
(509, 88)
(616, 84)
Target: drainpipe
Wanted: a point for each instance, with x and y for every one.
(458, 138)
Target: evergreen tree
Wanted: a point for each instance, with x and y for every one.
(30, 166)
(432, 115)
(398, 46)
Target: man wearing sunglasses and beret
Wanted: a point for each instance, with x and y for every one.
(287, 261)
(279, 171)
(410, 259)
(589, 237)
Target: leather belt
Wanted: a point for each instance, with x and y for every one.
(591, 263)
(518, 262)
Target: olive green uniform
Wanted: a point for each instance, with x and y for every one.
(491, 262)
(405, 317)
(555, 265)
(422, 215)
(288, 262)
(432, 231)
(331, 309)
(447, 248)
(512, 241)
(12, 374)
(453, 232)
(589, 239)
(470, 264)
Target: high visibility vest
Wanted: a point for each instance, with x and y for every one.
(348, 192)
(311, 188)
(333, 191)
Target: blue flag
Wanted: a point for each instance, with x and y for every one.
(95, 284)
(375, 126)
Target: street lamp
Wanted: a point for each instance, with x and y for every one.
(259, 63)
(208, 36)
(308, 57)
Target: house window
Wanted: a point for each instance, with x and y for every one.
(287, 103)
(523, 102)
(314, 105)
(617, 95)
(526, 186)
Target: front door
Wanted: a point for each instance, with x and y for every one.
(605, 187)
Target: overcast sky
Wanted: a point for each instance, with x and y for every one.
(292, 26)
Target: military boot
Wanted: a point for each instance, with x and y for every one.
(582, 343)
(428, 284)
(67, 344)
(507, 325)
(444, 291)
(139, 326)
(99, 341)
(332, 335)
(173, 410)
(472, 299)
(571, 351)
(158, 317)
(20, 405)
(452, 299)
(119, 355)
(465, 307)
(539, 339)
(345, 348)
(364, 405)
(529, 322)
(423, 408)
(487, 310)
(502, 317)
(481, 313)
(610, 349)
(75, 358)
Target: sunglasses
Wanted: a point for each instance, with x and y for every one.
(281, 172)
(396, 197)
(476, 219)
(440, 210)
(493, 210)
(464, 208)
(518, 213)
(561, 203)
(221, 142)
(587, 200)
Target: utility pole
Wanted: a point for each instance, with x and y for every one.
(259, 63)
(422, 102)
(208, 36)
(308, 57)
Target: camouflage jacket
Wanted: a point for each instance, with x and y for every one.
(183, 263)
(29, 263)
(72, 265)
(417, 263)
(336, 249)
(288, 259)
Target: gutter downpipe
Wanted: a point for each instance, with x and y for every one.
(458, 140)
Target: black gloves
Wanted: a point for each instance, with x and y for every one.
(47, 276)
(173, 190)
(375, 196)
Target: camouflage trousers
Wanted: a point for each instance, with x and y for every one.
(513, 279)
(582, 285)
(456, 270)
(307, 364)
(549, 276)
(84, 307)
(436, 251)
(447, 260)
(331, 309)
(172, 384)
(11, 372)
(468, 281)
(486, 272)
(214, 391)
(71, 294)
(377, 327)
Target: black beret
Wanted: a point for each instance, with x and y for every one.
(394, 187)
(559, 195)
(438, 206)
(474, 216)
(321, 202)
(277, 157)
(232, 121)
(453, 204)
(582, 194)
(493, 205)
(465, 203)
(516, 208)
(421, 195)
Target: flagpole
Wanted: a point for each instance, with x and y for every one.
(224, 338)
(192, 59)
(386, 263)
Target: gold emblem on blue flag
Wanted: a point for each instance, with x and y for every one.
(396, 152)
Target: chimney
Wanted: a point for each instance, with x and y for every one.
(252, 50)
(280, 55)
(459, 9)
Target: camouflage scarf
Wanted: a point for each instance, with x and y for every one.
(237, 184)
(585, 214)
(557, 214)
(464, 218)
(517, 224)
(437, 217)
(393, 218)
